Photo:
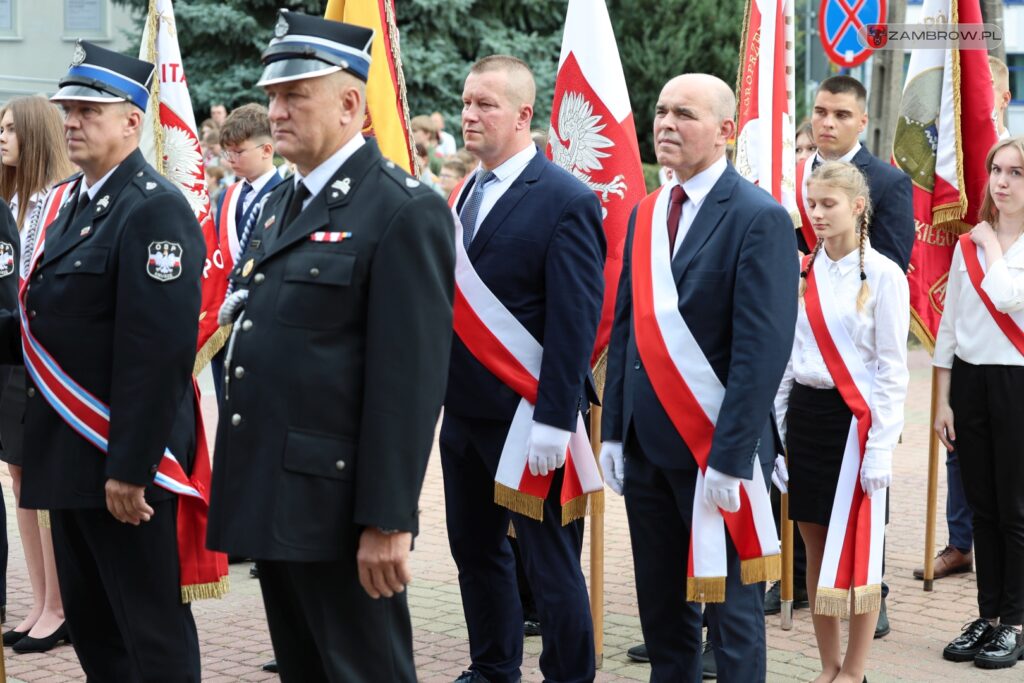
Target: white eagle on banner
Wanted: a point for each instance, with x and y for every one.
(577, 145)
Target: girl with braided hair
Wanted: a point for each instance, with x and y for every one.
(840, 413)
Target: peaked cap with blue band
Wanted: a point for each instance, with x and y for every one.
(304, 46)
(97, 74)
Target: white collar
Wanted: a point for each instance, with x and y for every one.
(318, 177)
(846, 157)
(699, 186)
(95, 189)
(845, 264)
(514, 164)
(258, 184)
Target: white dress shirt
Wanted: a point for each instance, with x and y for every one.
(505, 175)
(697, 189)
(256, 186)
(967, 329)
(318, 177)
(95, 189)
(879, 332)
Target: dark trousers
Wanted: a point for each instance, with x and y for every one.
(324, 627)
(958, 512)
(477, 532)
(122, 598)
(988, 414)
(659, 506)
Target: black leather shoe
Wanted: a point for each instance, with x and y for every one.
(254, 571)
(638, 653)
(471, 677)
(531, 627)
(968, 644)
(773, 598)
(270, 666)
(30, 644)
(882, 627)
(709, 667)
(1002, 650)
(12, 636)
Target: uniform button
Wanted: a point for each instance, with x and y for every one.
(236, 419)
(246, 326)
(153, 469)
(340, 465)
(314, 272)
(39, 277)
(239, 372)
(78, 264)
(258, 278)
(636, 365)
(31, 391)
(31, 315)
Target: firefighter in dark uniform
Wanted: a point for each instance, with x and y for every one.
(335, 372)
(124, 329)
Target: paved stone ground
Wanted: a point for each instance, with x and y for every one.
(235, 642)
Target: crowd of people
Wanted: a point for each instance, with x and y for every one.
(743, 352)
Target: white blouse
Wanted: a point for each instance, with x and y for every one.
(967, 329)
(879, 333)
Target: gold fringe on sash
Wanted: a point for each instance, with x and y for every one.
(205, 591)
(211, 347)
(43, 518)
(705, 589)
(867, 598)
(511, 530)
(758, 569)
(582, 506)
(517, 501)
(834, 602)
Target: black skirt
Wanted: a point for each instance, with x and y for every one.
(12, 413)
(817, 424)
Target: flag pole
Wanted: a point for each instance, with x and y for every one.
(597, 550)
(933, 484)
(786, 590)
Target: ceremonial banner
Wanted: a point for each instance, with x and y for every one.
(593, 137)
(765, 147)
(387, 110)
(948, 93)
(171, 145)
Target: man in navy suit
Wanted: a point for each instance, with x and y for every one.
(736, 276)
(535, 239)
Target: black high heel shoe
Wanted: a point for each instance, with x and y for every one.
(12, 636)
(30, 644)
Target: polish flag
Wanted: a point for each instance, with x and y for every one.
(593, 137)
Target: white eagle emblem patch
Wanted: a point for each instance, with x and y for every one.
(6, 259)
(164, 261)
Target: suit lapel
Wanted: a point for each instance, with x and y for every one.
(508, 201)
(704, 223)
(274, 181)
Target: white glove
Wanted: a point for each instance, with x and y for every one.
(876, 470)
(613, 465)
(546, 449)
(232, 307)
(780, 475)
(721, 490)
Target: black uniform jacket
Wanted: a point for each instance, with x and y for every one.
(115, 300)
(10, 244)
(337, 367)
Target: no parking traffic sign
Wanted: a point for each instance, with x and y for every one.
(839, 22)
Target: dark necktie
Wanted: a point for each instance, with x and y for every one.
(471, 209)
(675, 210)
(240, 207)
(295, 207)
(816, 163)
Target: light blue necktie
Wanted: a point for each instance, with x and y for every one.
(472, 207)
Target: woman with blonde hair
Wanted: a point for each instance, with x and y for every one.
(979, 361)
(840, 411)
(33, 156)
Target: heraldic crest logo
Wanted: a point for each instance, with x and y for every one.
(164, 261)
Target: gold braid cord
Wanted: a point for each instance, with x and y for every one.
(152, 30)
(396, 56)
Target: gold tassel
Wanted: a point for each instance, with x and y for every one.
(945, 214)
(517, 501)
(705, 589)
(757, 569)
(583, 506)
(211, 347)
(867, 599)
(832, 602)
(600, 371)
(43, 518)
(206, 591)
(920, 330)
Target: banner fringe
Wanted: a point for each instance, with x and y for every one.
(920, 330)
(210, 349)
(206, 591)
(867, 599)
(945, 214)
(758, 569)
(833, 602)
(583, 506)
(705, 589)
(517, 501)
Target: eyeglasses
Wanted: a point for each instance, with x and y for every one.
(234, 155)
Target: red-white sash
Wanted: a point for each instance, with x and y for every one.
(203, 573)
(801, 203)
(52, 202)
(507, 349)
(692, 395)
(1012, 324)
(226, 226)
(856, 529)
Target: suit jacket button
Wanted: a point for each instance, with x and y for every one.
(258, 278)
(636, 365)
(31, 391)
(236, 419)
(246, 325)
(78, 264)
(340, 465)
(39, 277)
(314, 272)
(239, 372)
